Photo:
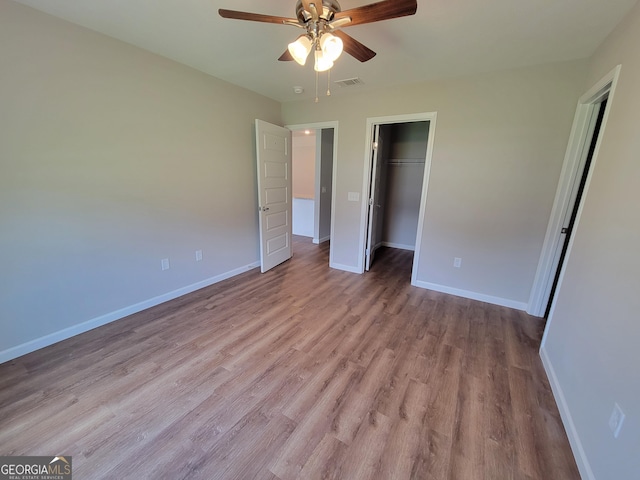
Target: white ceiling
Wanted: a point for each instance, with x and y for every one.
(446, 38)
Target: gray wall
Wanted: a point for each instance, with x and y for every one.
(112, 158)
(326, 179)
(591, 345)
(499, 145)
(404, 172)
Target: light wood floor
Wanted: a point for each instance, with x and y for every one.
(302, 372)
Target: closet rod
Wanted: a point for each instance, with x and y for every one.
(405, 163)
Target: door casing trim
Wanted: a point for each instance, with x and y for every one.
(366, 181)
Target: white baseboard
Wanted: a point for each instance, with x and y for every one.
(398, 245)
(503, 302)
(50, 339)
(322, 240)
(567, 420)
(346, 268)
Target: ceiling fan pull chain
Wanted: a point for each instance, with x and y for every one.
(317, 87)
(328, 82)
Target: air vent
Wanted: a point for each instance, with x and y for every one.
(349, 82)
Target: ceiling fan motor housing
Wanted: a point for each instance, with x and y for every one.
(329, 8)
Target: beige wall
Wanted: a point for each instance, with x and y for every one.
(499, 145)
(303, 151)
(112, 158)
(593, 333)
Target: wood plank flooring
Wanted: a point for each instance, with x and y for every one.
(302, 372)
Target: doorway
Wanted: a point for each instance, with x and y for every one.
(582, 151)
(303, 163)
(397, 171)
(314, 149)
(274, 183)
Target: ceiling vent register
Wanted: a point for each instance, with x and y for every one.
(349, 82)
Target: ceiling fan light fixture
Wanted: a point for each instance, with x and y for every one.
(300, 49)
(331, 46)
(322, 63)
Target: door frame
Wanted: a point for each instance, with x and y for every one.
(366, 181)
(579, 137)
(320, 126)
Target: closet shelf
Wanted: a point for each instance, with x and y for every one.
(406, 161)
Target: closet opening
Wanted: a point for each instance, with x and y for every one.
(398, 174)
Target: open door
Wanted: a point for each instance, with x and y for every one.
(575, 197)
(582, 150)
(273, 154)
(374, 199)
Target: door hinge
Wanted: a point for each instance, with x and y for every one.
(367, 252)
(374, 145)
(370, 201)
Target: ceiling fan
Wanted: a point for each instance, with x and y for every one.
(322, 21)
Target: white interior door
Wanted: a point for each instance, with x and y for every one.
(273, 153)
(374, 199)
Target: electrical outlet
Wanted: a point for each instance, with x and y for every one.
(198, 255)
(164, 264)
(616, 420)
(457, 262)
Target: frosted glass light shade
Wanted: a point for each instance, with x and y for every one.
(300, 49)
(331, 46)
(322, 63)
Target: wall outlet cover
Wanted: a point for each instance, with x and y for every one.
(616, 420)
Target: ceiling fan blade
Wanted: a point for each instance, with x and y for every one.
(255, 17)
(354, 48)
(375, 12)
(285, 57)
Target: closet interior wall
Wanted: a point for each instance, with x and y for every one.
(401, 178)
